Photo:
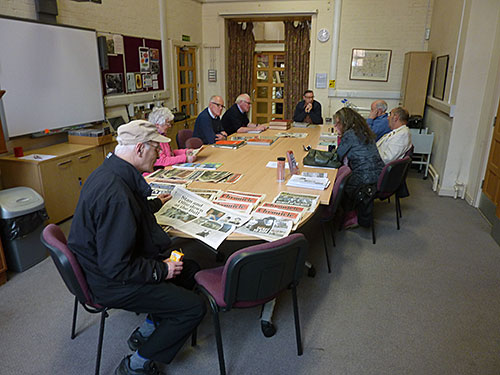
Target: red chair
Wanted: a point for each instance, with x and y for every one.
(182, 136)
(328, 214)
(194, 142)
(251, 277)
(71, 272)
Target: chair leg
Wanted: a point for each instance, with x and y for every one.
(297, 322)
(400, 212)
(332, 230)
(104, 315)
(194, 336)
(73, 326)
(218, 338)
(326, 248)
(373, 231)
(397, 212)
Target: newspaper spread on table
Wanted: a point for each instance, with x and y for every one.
(267, 227)
(199, 218)
(310, 202)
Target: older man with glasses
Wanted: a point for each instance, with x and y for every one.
(123, 251)
(208, 125)
(308, 110)
(235, 120)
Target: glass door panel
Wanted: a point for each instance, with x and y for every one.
(268, 84)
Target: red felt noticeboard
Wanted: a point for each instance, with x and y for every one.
(114, 78)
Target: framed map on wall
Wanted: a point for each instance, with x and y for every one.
(370, 64)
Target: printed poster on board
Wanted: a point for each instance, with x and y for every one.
(144, 59)
(155, 54)
(114, 83)
(131, 82)
(147, 82)
(138, 81)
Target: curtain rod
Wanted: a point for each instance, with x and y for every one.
(268, 14)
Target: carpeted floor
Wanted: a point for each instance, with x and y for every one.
(423, 300)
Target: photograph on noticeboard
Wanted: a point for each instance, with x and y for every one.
(114, 83)
(144, 59)
(155, 67)
(131, 82)
(155, 54)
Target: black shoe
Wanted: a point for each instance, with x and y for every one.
(148, 369)
(268, 328)
(136, 340)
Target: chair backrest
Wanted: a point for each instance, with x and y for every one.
(409, 153)
(194, 142)
(392, 176)
(182, 136)
(343, 176)
(256, 274)
(67, 264)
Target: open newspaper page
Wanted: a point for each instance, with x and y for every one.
(199, 218)
(209, 194)
(267, 227)
(247, 194)
(282, 214)
(310, 202)
(245, 208)
(161, 188)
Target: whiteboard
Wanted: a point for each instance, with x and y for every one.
(51, 75)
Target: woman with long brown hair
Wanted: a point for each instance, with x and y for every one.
(357, 148)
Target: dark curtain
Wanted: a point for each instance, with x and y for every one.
(240, 60)
(297, 42)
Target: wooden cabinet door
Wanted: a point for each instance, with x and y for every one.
(60, 188)
(491, 187)
(85, 163)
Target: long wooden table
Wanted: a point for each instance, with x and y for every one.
(251, 161)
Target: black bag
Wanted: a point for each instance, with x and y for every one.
(325, 159)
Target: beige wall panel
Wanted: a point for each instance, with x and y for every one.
(398, 25)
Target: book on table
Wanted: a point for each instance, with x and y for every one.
(255, 131)
(229, 144)
(279, 124)
(261, 141)
(297, 124)
(316, 183)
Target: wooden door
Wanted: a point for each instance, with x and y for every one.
(186, 80)
(268, 85)
(491, 187)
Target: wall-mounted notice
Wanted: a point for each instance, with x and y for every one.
(144, 59)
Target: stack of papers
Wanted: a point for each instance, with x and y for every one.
(317, 183)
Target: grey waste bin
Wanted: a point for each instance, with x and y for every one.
(22, 218)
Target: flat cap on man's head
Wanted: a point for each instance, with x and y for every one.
(139, 131)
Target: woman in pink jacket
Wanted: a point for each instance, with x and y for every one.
(162, 117)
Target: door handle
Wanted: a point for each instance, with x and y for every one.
(84, 157)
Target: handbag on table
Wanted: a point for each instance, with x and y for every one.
(322, 159)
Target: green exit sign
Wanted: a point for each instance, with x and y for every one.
(186, 38)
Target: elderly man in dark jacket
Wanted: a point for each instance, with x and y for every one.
(119, 245)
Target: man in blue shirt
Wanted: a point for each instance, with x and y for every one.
(208, 125)
(378, 119)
